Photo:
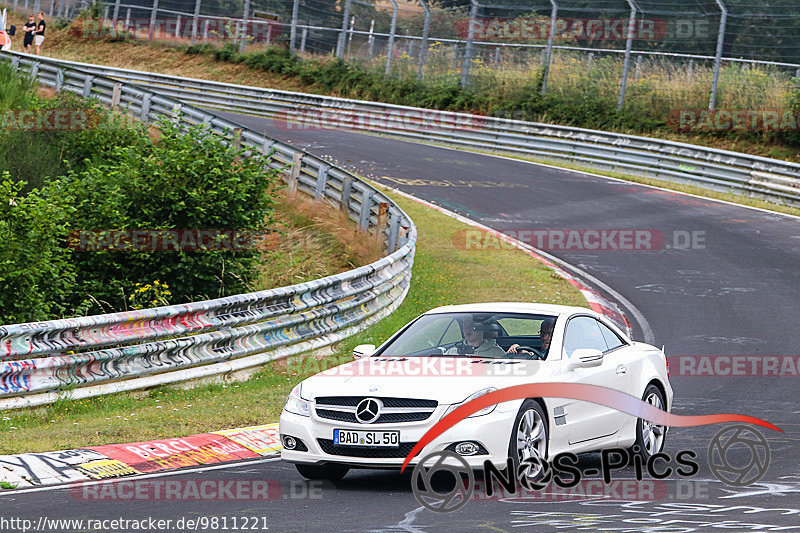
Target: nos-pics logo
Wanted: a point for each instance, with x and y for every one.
(443, 481)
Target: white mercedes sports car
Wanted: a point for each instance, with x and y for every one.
(370, 413)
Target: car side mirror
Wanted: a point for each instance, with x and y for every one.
(363, 350)
(585, 358)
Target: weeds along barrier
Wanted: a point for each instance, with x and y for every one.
(770, 179)
(90, 356)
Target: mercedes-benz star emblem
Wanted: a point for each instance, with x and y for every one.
(368, 410)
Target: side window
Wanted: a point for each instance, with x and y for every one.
(583, 332)
(451, 334)
(612, 339)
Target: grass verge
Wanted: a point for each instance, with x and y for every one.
(443, 274)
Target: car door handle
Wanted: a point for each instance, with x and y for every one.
(621, 369)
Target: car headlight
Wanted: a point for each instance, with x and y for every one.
(296, 404)
(484, 411)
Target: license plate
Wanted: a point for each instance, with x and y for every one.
(350, 437)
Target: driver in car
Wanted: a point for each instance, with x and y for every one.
(475, 342)
(545, 333)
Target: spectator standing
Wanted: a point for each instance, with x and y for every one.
(30, 29)
(38, 39)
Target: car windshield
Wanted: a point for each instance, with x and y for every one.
(474, 334)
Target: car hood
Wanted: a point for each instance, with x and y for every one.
(447, 380)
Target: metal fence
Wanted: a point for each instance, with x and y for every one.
(687, 47)
(770, 179)
(102, 354)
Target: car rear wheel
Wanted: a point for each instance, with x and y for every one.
(331, 472)
(650, 436)
(529, 440)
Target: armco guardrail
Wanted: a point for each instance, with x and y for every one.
(771, 179)
(131, 350)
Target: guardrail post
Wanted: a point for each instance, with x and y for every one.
(35, 70)
(723, 21)
(366, 209)
(303, 37)
(87, 86)
(15, 62)
(347, 189)
(195, 20)
(236, 139)
(145, 107)
(549, 50)
(345, 18)
(392, 31)
(205, 29)
(627, 61)
(423, 51)
(59, 79)
(394, 231)
(269, 36)
(690, 70)
(473, 14)
(116, 96)
(128, 19)
(266, 147)
(383, 217)
(294, 172)
(322, 181)
(245, 21)
(176, 113)
(293, 27)
(151, 31)
(637, 74)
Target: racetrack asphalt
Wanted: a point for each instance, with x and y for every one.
(736, 291)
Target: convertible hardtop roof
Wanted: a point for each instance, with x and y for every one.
(511, 307)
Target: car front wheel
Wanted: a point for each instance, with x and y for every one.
(529, 443)
(650, 436)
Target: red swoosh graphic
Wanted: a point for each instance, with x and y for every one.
(578, 391)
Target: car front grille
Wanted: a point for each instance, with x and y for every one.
(395, 410)
(352, 401)
(369, 453)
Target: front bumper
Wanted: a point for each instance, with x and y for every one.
(491, 431)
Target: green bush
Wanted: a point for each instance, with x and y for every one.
(183, 181)
(36, 276)
(16, 92)
(36, 157)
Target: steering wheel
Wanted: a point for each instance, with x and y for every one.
(535, 352)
